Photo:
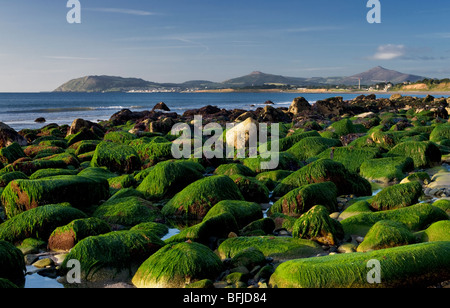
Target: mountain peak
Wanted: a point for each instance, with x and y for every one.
(256, 73)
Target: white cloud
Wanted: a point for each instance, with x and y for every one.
(389, 52)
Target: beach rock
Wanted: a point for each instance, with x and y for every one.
(286, 161)
(166, 179)
(251, 189)
(397, 196)
(175, 266)
(38, 223)
(312, 146)
(272, 178)
(6, 178)
(11, 153)
(234, 169)
(300, 200)
(316, 225)
(116, 157)
(39, 150)
(199, 197)
(356, 208)
(386, 170)
(406, 266)
(437, 232)
(161, 106)
(66, 237)
(330, 107)
(83, 134)
(424, 154)
(272, 115)
(289, 141)
(156, 228)
(299, 105)
(152, 150)
(114, 256)
(415, 217)
(386, 234)
(263, 226)
(8, 136)
(80, 192)
(244, 212)
(278, 248)
(324, 170)
(209, 231)
(13, 264)
(352, 158)
(40, 120)
(239, 136)
(128, 212)
(443, 204)
(248, 258)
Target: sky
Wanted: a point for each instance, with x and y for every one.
(181, 40)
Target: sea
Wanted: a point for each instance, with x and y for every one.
(20, 110)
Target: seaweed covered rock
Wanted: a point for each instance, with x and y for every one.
(175, 266)
(415, 217)
(440, 132)
(151, 151)
(424, 154)
(156, 228)
(128, 212)
(166, 179)
(251, 189)
(11, 153)
(361, 206)
(312, 146)
(286, 161)
(234, 169)
(11, 176)
(386, 234)
(199, 197)
(300, 200)
(419, 265)
(385, 170)
(116, 157)
(9, 136)
(397, 196)
(278, 248)
(80, 192)
(316, 225)
(66, 237)
(114, 256)
(12, 264)
(342, 127)
(272, 178)
(244, 212)
(325, 170)
(352, 158)
(263, 226)
(38, 223)
(437, 232)
(50, 172)
(209, 231)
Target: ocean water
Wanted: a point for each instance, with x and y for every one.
(19, 110)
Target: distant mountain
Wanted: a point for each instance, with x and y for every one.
(104, 83)
(380, 74)
(259, 79)
(255, 79)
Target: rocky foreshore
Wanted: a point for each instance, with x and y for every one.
(360, 198)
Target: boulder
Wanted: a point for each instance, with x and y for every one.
(316, 225)
(352, 158)
(116, 157)
(299, 105)
(437, 232)
(9, 136)
(11, 153)
(397, 196)
(386, 170)
(251, 189)
(300, 200)
(175, 266)
(386, 234)
(406, 266)
(38, 223)
(161, 106)
(13, 264)
(424, 154)
(234, 169)
(128, 212)
(244, 212)
(324, 170)
(278, 248)
(199, 197)
(114, 256)
(167, 179)
(66, 237)
(416, 217)
(312, 146)
(22, 195)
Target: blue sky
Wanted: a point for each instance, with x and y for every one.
(180, 40)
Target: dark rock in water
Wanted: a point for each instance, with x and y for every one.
(207, 110)
(125, 115)
(40, 120)
(268, 103)
(8, 136)
(161, 106)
